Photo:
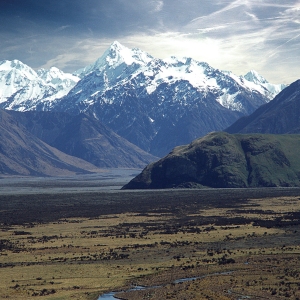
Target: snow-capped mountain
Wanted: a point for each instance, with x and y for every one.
(155, 104)
(158, 104)
(117, 58)
(22, 88)
(119, 65)
(116, 64)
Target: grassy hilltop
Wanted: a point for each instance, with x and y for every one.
(222, 160)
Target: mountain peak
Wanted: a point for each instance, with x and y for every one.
(56, 76)
(113, 57)
(118, 54)
(116, 46)
(7, 65)
(253, 76)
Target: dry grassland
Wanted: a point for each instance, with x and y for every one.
(246, 249)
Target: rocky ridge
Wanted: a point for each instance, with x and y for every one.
(84, 137)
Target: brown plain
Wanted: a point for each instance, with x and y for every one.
(239, 243)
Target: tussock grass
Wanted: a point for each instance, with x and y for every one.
(255, 239)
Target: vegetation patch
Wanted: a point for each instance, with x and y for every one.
(233, 243)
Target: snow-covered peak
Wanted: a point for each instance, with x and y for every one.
(12, 64)
(16, 67)
(174, 60)
(49, 74)
(22, 88)
(259, 83)
(185, 61)
(56, 76)
(253, 76)
(118, 54)
(116, 45)
(115, 56)
(170, 70)
(14, 75)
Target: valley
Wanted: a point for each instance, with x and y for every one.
(131, 176)
(70, 244)
(80, 236)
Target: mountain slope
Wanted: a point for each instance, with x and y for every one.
(43, 124)
(21, 153)
(278, 116)
(148, 101)
(85, 137)
(221, 160)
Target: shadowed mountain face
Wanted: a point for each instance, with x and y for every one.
(85, 137)
(221, 160)
(281, 115)
(22, 153)
(89, 139)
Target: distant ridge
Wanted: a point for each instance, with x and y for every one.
(22, 153)
(84, 137)
(279, 116)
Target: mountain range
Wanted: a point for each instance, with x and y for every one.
(21, 88)
(155, 104)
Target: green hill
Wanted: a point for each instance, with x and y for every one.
(222, 160)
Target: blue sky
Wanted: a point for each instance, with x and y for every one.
(234, 35)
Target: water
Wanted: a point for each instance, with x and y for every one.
(106, 181)
(108, 296)
(111, 295)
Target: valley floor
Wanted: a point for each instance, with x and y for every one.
(241, 243)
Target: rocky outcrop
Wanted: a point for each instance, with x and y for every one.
(221, 160)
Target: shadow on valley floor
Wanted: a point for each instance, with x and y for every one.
(49, 206)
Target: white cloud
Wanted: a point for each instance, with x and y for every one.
(238, 36)
(61, 28)
(158, 5)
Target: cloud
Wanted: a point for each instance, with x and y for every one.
(61, 28)
(158, 5)
(236, 35)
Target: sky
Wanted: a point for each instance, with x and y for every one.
(232, 35)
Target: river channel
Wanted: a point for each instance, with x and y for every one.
(111, 295)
